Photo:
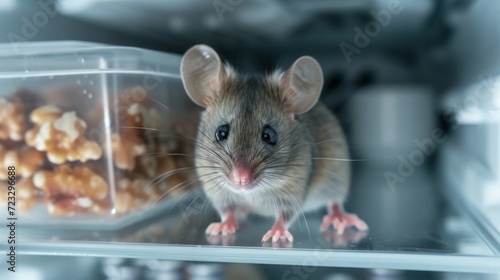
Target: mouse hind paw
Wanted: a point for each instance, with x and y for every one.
(341, 220)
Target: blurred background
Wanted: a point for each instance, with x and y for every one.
(415, 84)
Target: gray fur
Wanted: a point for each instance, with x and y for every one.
(290, 179)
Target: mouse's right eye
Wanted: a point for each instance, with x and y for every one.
(222, 132)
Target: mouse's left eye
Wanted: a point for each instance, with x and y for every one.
(222, 132)
(269, 135)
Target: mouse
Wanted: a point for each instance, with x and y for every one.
(267, 145)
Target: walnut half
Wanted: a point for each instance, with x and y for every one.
(61, 136)
(14, 123)
(72, 190)
(27, 195)
(27, 160)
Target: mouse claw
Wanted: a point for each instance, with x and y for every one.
(223, 228)
(276, 234)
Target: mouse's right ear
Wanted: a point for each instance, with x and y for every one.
(202, 73)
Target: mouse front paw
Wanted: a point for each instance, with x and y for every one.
(277, 234)
(228, 226)
(279, 231)
(225, 228)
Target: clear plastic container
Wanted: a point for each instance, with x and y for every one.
(97, 134)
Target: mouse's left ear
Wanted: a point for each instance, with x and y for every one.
(302, 84)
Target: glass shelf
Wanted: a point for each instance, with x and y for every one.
(412, 227)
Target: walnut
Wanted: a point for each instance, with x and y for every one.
(26, 189)
(134, 95)
(14, 123)
(168, 163)
(72, 190)
(169, 173)
(159, 167)
(125, 149)
(119, 105)
(133, 194)
(27, 160)
(61, 135)
(45, 114)
(147, 164)
(132, 138)
(27, 196)
(25, 205)
(138, 190)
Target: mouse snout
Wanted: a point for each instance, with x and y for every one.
(242, 174)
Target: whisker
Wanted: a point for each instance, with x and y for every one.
(165, 175)
(158, 155)
(339, 159)
(177, 200)
(212, 139)
(206, 209)
(295, 204)
(224, 149)
(279, 176)
(163, 105)
(326, 141)
(180, 184)
(187, 210)
(301, 211)
(140, 128)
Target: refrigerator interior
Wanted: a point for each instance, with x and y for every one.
(415, 84)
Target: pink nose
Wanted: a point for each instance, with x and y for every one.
(241, 175)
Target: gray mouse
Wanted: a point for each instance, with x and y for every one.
(266, 145)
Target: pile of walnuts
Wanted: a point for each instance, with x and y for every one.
(153, 163)
(58, 166)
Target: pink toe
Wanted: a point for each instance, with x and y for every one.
(223, 228)
(211, 229)
(361, 225)
(276, 236)
(267, 236)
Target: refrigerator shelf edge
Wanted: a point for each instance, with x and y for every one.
(399, 261)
